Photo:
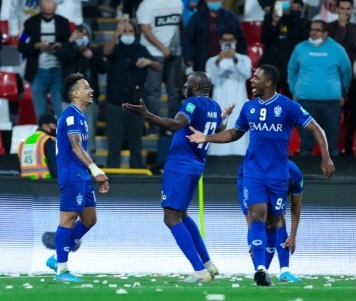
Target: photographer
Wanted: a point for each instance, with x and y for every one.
(229, 71)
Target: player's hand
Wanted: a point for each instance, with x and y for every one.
(140, 109)
(327, 166)
(196, 137)
(103, 181)
(290, 243)
(228, 110)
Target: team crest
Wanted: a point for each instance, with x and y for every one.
(252, 110)
(79, 199)
(277, 111)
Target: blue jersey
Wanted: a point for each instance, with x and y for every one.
(70, 168)
(204, 114)
(270, 124)
(295, 179)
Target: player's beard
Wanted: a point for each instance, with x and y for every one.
(189, 92)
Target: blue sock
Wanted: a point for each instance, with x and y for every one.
(78, 232)
(283, 253)
(249, 244)
(271, 240)
(63, 236)
(186, 244)
(258, 242)
(197, 239)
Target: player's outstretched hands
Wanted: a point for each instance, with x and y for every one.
(327, 166)
(140, 109)
(228, 110)
(196, 137)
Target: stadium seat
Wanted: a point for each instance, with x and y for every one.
(294, 143)
(255, 51)
(20, 133)
(26, 114)
(4, 28)
(252, 31)
(5, 123)
(11, 86)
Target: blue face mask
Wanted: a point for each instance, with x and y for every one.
(214, 6)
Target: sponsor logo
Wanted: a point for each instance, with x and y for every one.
(257, 242)
(70, 120)
(253, 110)
(265, 127)
(245, 194)
(190, 107)
(277, 111)
(66, 249)
(173, 19)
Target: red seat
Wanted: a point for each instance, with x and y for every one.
(26, 110)
(252, 31)
(255, 51)
(11, 86)
(4, 28)
(294, 143)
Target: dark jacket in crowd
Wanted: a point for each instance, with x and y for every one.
(32, 34)
(195, 43)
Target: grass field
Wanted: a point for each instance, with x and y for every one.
(170, 288)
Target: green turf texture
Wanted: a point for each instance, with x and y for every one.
(170, 288)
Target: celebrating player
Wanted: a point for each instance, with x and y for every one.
(270, 117)
(184, 166)
(77, 197)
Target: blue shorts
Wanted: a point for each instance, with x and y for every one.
(271, 191)
(178, 190)
(77, 195)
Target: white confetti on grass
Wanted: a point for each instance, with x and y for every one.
(327, 284)
(136, 284)
(121, 291)
(308, 287)
(235, 285)
(9, 287)
(215, 297)
(112, 285)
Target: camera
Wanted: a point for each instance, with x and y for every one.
(227, 46)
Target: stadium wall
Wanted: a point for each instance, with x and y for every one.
(130, 236)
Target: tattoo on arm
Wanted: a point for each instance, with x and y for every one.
(76, 143)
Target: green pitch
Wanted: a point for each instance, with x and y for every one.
(170, 288)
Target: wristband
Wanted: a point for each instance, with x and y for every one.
(95, 170)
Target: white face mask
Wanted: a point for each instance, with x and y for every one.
(83, 42)
(127, 39)
(317, 42)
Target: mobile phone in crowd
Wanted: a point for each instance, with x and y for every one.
(126, 17)
(281, 6)
(227, 46)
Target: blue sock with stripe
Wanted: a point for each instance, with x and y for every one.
(63, 236)
(271, 240)
(283, 253)
(78, 232)
(258, 243)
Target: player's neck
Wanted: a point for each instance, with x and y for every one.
(268, 95)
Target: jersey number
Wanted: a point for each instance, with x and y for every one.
(263, 114)
(209, 128)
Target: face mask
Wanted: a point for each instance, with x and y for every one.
(127, 39)
(214, 6)
(53, 133)
(317, 42)
(83, 42)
